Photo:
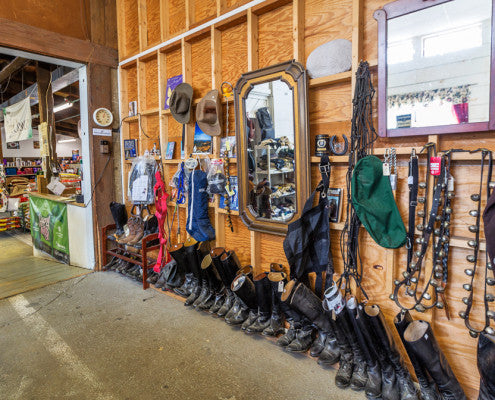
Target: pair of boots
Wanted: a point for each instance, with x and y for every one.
(435, 377)
(265, 315)
(119, 214)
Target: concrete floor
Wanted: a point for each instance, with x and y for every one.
(101, 336)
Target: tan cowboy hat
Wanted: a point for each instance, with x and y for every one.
(209, 114)
(180, 103)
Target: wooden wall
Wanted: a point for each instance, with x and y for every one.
(275, 31)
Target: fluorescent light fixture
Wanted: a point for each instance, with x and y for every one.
(66, 140)
(62, 106)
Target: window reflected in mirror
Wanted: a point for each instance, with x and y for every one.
(270, 145)
(438, 65)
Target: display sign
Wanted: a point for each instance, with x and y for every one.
(17, 121)
(49, 227)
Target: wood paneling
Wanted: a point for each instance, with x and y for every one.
(151, 83)
(275, 36)
(132, 93)
(201, 67)
(321, 27)
(153, 22)
(177, 16)
(204, 10)
(234, 50)
(131, 27)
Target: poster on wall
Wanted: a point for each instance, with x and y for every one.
(17, 121)
(49, 228)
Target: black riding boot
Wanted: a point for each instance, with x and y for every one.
(486, 366)
(330, 353)
(119, 214)
(426, 384)
(263, 298)
(405, 385)
(277, 283)
(191, 249)
(426, 350)
(373, 385)
(214, 285)
(178, 253)
(304, 337)
(346, 364)
(318, 345)
(243, 287)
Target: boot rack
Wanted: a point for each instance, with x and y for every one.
(141, 255)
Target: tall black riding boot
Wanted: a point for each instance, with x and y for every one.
(373, 388)
(330, 354)
(243, 287)
(405, 385)
(119, 214)
(346, 364)
(225, 299)
(263, 298)
(191, 249)
(426, 385)
(277, 283)
(486, 366)
(203, 252)
(228, 264)
(359, 372)
(426, 350)
(215, 284)
(178, 253)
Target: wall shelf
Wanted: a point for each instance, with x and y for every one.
(331, 79)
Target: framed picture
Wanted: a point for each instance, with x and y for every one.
(172, 83)
(334, 196)
(129, 148)
(202, 142)
(170, 151)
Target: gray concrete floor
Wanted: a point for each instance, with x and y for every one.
(101, 336)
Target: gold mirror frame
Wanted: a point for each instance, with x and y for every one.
(295, 76)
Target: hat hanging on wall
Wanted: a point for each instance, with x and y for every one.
(375, 205)
(330, 58)
(208, 114)
(180, 103)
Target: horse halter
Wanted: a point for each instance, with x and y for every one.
(474, 258)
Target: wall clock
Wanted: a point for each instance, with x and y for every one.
(103, 117)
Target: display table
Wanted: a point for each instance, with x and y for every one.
(59, 230)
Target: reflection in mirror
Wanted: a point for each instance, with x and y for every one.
(438, 65)
(270, 145)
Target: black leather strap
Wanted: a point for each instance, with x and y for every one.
(413, 202)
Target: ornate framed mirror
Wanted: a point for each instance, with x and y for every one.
(435, 67)
(272, 143)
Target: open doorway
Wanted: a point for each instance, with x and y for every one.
(45, 181)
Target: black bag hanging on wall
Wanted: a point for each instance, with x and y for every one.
(307, 243)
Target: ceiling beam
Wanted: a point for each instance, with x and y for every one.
(12, 67)
(59, 81)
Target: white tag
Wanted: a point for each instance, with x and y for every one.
(140, 189)
(56, 187)
(281, 286)
(386, 169)
(450, 184)
(410, 180)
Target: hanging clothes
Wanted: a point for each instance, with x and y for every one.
(161, 197)
(198, 221)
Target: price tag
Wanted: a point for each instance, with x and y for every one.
(450, 184)
(280, 286)
(435, 163)
(386, 169)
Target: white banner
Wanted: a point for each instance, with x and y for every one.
(17, 121)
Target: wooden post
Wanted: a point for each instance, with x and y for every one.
(164, 31)
(252, 40)
(298, 30)
(45, 96)
(187, 76)
(143, 25)
(357, 38)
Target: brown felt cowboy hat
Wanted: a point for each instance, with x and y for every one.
(180, 103)
(208, 114)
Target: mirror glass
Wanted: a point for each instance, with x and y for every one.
(270, 130)
(438, 65)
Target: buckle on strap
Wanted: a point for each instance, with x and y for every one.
(324, 168)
